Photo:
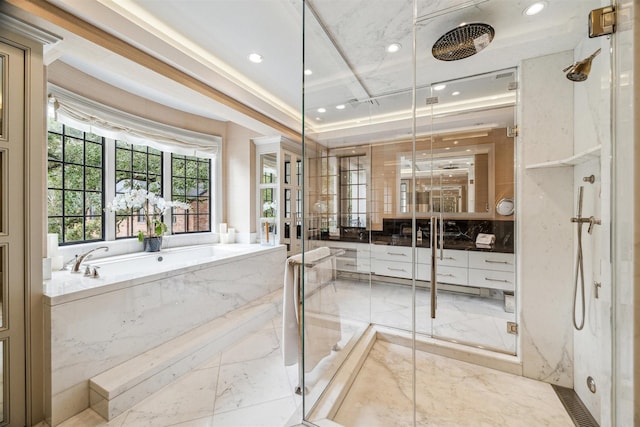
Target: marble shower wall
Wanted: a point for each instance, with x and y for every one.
(592, 120)
(545, 204)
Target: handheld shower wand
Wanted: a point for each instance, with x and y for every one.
(579, 220)
(579, 265)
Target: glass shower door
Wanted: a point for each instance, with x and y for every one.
(463, 175)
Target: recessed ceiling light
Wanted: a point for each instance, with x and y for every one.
(456, 93)
(439, 87)
(308, 72)
(394, 47)
(535, 8)
(255, 57)
(340, 107)
(322, 110)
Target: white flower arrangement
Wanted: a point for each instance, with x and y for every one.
(152, 205)
(269, 209)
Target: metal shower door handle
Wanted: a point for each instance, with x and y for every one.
(434, 257)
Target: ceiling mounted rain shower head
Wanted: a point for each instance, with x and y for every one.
(579, 71)
(463, 41)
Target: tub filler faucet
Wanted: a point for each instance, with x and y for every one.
(79, 259)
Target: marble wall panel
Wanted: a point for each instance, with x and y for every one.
(545, 205)
(93, 334)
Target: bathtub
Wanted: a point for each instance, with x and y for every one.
(139, 302)
(126, 270)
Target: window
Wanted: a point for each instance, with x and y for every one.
(89, 162)
(353, 191)
(75, 184)
(190, 184)
(137, 166)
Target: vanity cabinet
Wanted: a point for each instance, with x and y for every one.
(493, 270)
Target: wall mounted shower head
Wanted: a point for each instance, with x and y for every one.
(579, 71)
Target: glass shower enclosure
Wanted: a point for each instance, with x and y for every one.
(409, 197)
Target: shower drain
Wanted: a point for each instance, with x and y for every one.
(575, 408)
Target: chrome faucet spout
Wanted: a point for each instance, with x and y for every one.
(80, 258)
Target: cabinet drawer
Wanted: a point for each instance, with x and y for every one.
(392, 268)
(453, 258)
(346, 264)
(503, 280)
(452, 275)
(391, 253)
(364, 265)
(492, 261)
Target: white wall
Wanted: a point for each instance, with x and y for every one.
(545, 204)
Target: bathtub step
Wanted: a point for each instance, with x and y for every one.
(120, 388)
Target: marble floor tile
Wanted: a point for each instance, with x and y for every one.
(247, 383)
(189, 398)
(267, 414)
(448, 393)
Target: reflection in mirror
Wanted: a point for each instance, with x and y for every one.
(287, 169)
(1, 93)
(269, 168)
(449, 180)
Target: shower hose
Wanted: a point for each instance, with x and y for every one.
(580, 272)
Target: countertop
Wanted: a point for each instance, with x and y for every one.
(462, 245)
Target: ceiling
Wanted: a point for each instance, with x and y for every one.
(344, 47)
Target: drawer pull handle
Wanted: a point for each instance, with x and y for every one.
(449, 257)
(349, 264)
(396, 269)
(496, 262)
(496, 280)
(396, 254)
(446, 275)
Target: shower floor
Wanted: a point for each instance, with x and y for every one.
(462, 318)
(448, 393)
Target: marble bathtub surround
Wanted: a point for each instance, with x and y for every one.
(98, 328)
(244, 385)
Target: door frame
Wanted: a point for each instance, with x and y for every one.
(31, 40)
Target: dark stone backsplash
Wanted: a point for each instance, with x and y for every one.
(458, 234)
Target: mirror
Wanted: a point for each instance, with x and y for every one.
(269, 168)
(448, 180)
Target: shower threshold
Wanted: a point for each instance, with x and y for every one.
(374, 386)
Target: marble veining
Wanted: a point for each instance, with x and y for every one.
(448, 393)
(245, 385)
(92, 334)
